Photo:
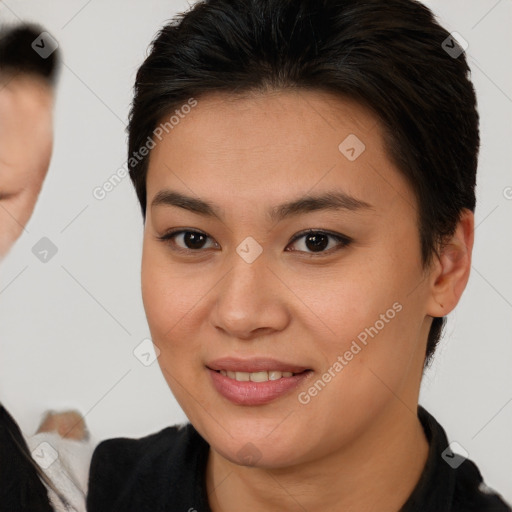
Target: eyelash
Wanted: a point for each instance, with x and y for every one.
(344, 241)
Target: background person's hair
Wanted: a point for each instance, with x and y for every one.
(387, 55)
(17, 57)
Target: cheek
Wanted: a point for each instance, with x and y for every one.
(351, 298)
(369, 313)
(170, 300)
(159, 295)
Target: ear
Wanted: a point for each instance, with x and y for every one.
(450, 273)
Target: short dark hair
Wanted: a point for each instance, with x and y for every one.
(389, 55)
(17, 56)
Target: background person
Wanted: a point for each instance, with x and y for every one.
(46, 471)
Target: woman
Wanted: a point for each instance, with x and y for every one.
(306, 173)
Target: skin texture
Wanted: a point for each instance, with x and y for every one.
(26, 140)
(360, 432)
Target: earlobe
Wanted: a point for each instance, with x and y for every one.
(450, 274)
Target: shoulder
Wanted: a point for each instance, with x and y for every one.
(123, 467)
(450, 481)
(472, 494)
(20, 485)
(122, 453)
(66, 463)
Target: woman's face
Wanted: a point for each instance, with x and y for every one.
(240, 286)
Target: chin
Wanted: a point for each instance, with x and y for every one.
(247, 446)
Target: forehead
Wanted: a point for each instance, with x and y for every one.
(21, 96)
(261, 146)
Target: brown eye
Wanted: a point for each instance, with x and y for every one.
(185, 240)
(318, 241)
(193, 240)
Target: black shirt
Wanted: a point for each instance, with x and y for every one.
(166, 471)
(21, 489)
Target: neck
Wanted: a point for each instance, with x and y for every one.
(378, 471)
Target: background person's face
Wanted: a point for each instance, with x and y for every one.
(303, 307)
(26, 139)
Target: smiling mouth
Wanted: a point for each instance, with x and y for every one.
(263, 376)
(256, 387)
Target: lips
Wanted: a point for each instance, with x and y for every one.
(255, 381)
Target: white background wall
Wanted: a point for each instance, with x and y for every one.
(68, 327)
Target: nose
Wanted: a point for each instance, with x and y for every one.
(251, 300)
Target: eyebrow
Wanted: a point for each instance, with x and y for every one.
(327, 201)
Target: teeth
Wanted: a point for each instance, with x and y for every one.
(255, 376)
